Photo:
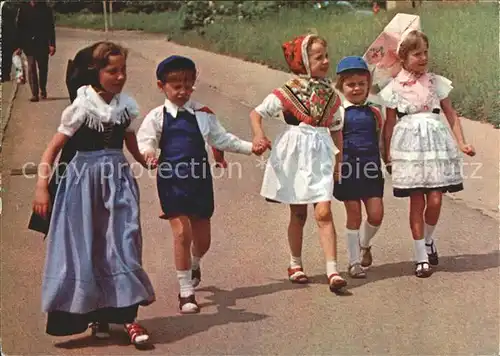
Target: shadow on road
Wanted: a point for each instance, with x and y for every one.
(57, 98)
(181, 326)
(447, 264)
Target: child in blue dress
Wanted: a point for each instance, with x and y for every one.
(358, 175)
(93, 270)
(180, 128)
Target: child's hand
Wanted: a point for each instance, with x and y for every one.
(260, 144)
(42, 201)
(468, 150)
(150, 160)
(388, 168)
(221, 164)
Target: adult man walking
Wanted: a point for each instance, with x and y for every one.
(37, 38)
(8, 11)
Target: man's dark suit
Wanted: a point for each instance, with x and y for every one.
(36, 34)
(9, 12)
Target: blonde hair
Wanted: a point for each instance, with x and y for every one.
(411, 42)
(104, 50)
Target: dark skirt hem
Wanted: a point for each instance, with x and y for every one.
(359, 190)
(173, 215)
(356, 197)
(273, 201)
(61, 323)
(405, 193)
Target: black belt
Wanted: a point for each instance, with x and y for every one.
(401, 114)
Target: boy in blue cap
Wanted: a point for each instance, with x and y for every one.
(184, 180)
(358, 175)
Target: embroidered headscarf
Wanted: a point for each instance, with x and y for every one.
(313, 101)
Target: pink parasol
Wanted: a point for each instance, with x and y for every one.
(381, 56)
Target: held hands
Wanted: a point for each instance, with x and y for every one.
(42, 201)
(468, 149)
(221, 164)
(388, 164)
(52, 50)
(388, 168)
(150, 160)
(260, 144)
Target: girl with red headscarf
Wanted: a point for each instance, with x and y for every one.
(300, 169)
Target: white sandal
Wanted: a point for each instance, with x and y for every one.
(356, 271)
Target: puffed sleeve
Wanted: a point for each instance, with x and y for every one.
(443, 87)
(149, 133)
(270, 107)
(388, 96)
(71, 120)
(133, 113)
(338, 120)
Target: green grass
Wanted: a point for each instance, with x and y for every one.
(464, 42)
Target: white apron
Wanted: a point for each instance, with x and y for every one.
(424, 153)
(300, 167)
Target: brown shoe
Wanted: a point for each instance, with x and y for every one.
(188, 305)
(34, 99)
(366, 256)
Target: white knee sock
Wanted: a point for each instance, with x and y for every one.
(428, 234)
(420, 251)
(195, 262)
(367, 233)
(331, 268)
(295, 261)
(186, 287)
(352, 237)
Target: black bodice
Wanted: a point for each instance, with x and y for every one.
(90, 139)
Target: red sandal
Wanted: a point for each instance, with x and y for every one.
(138, 335)
(336, 282)
(297, 275)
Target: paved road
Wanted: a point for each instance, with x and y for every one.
(248, 307)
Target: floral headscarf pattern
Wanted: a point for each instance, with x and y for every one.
(311, 100)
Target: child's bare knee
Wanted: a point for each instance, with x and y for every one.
(434, 201)
(353, 222)
(298, 215)
(323, 213)
(183, 238)
(182, 232)
(375, 217)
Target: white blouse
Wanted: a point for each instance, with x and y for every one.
(410, 96)
(271, 107)
(215, 135)
(90, 109)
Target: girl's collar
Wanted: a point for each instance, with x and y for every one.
(96, 95)
(408, 75)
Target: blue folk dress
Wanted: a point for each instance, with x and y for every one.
(360, 175)
(93, 270)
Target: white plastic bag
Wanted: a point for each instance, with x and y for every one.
(19, 67)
